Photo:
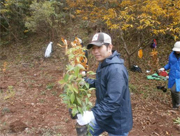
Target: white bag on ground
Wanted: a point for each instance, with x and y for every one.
(48, 50)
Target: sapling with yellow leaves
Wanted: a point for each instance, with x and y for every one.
(76, 92)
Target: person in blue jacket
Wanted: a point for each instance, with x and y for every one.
(174, 74)
(112, 112)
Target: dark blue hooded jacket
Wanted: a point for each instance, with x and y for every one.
(112, 111)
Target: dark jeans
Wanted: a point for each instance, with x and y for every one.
(175, 97)
(97, 130)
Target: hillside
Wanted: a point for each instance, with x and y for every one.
(30, 104)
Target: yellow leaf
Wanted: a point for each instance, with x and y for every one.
(25, 31)
(78, 11)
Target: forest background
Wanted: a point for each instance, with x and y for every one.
(27, 26)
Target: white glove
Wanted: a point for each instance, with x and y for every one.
(86, 118)
(161, 69)
(83, 73)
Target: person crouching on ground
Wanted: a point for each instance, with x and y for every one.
(174, 74)
(112, 112)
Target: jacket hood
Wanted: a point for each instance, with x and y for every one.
(113, 59)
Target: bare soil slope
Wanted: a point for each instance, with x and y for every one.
(30, 104)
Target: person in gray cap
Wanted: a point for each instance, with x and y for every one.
(174, 74)
(112, 112)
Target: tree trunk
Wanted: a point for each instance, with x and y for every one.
(129, 61)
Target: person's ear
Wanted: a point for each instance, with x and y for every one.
(110, 47)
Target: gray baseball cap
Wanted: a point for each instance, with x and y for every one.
(100, 39)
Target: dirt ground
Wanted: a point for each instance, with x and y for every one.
(30, 104)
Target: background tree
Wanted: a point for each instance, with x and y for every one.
(136, 22)
(132, 24)
(12, 14)
(50, 18)
(44, 18)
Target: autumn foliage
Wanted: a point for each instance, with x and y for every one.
(76, 53)
(134, 23)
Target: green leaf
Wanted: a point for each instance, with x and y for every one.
(80, 66)
(70, 77)
(91, 73)
(78, 100)
(80, 110)
(66, 77)
(81, 89)
(177, 121)
(76, 71)
(91, 89)
(79, 79)
(88, 95)
(75, 90)
(89, 103)
(91, 128)
(86, 100)
(72, 97)
(69, 68)
(61, 81)
(74, 111)
(70, 88)
(87, 85)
